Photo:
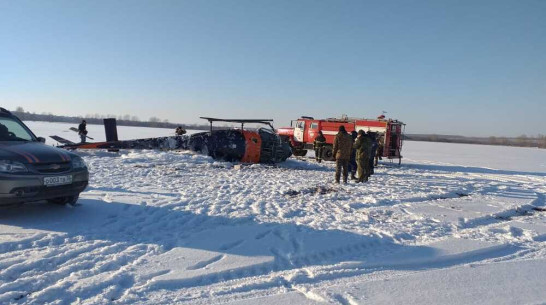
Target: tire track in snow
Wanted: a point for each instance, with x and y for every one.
(76, 263)
(232, 245)
(206, 263)
(345, 300)
(263, 234)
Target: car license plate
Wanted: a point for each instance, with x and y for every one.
(58, 180)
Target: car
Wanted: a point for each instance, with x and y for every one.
(32, 171)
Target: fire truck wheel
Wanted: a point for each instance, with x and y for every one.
(327, 153)
(299, 152)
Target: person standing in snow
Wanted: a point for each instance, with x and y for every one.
(373, 151)
(318, 144)
(363, 150)
(379, 151)
(342, 153)
(352, 160)
(82, 130)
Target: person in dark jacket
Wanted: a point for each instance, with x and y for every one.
(82, 130)
(363, 150)
(180, 131)
(318, 145)
(342, 152)
(352, 162)
(373, 138)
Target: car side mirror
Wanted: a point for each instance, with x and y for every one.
(41, 139)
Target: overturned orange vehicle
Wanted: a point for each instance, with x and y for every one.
(262, 145)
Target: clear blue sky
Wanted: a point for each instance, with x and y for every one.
(454, 67)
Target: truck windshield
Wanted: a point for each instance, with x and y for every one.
(11, 130)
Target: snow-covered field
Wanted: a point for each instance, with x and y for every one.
(455, 224)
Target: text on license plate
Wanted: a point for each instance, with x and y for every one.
(58, 180)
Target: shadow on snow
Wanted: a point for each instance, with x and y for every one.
(290, 246)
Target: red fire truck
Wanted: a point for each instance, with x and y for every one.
(303, 132)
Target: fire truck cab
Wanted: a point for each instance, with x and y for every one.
(303, 132)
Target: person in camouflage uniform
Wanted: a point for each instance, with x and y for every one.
(342, 153)
(318, 144)
(363, 149)
(379, 152)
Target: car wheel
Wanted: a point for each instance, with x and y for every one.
(64, 200)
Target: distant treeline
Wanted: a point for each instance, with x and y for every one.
(521, 141)
(98, 120)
